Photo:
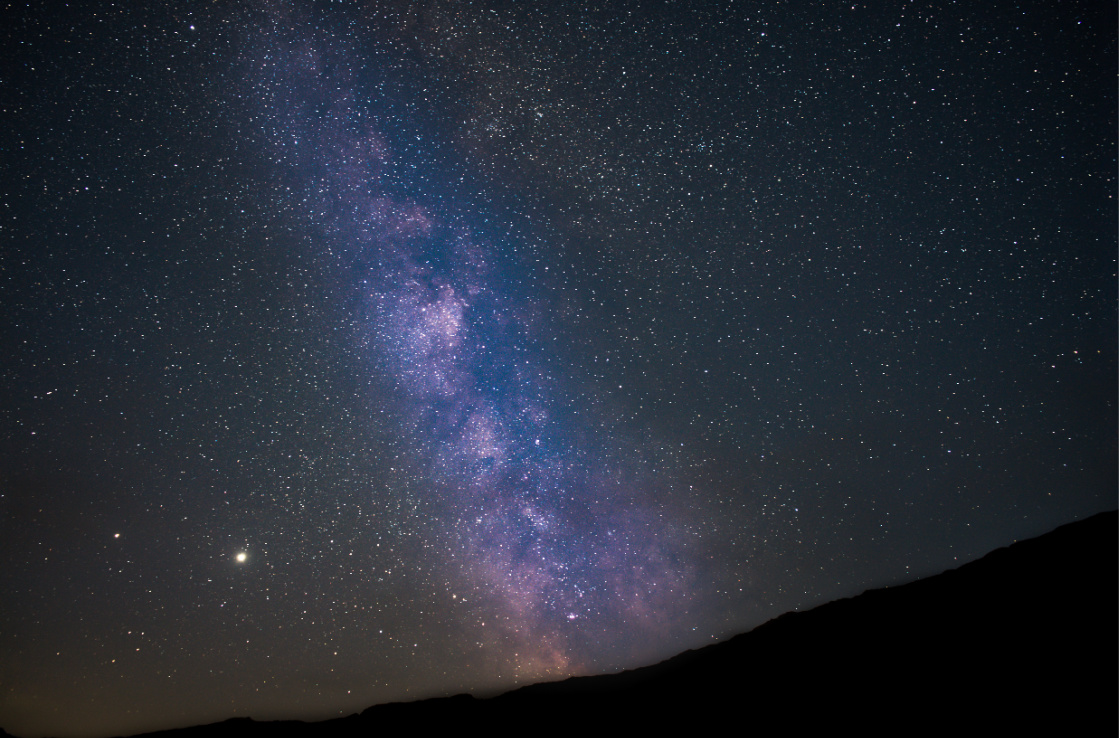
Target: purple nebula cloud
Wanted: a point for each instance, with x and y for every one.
(573, 558)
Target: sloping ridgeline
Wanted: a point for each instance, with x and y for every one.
(1022, 641)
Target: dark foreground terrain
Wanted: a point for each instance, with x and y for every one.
(1023, 641)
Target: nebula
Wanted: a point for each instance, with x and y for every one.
(575, 556)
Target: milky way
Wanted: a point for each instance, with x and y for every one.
(576, 557)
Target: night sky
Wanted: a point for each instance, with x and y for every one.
(362, 351)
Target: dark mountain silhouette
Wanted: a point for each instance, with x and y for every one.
(1022, 641)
